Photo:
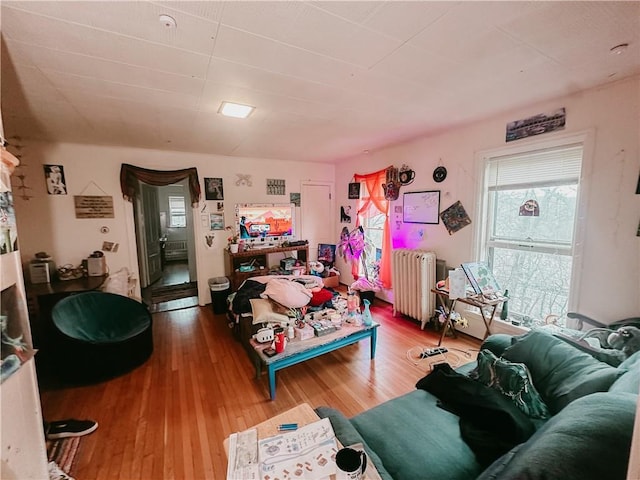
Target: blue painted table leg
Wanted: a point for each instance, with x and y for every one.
(374, 337)
(272, 382)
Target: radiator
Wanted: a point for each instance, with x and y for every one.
(414, 275)
(175, 250)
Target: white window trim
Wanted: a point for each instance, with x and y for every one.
(587, 139)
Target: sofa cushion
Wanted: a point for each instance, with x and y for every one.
(416, 439)
(497, 343)
(512, 380)
(560, 372)
(629, 381)
(590, 439)
(348, 435)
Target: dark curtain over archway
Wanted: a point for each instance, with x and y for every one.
(129, 176)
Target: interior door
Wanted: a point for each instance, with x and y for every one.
(317, 206)
(148, 223)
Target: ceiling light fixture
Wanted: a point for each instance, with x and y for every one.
(619, 49)
(235, 110)
(167, 21)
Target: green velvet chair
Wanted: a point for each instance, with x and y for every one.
(100, 335)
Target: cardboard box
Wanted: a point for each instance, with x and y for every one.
(305, 333)
(332, 281)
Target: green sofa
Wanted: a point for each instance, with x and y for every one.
(587, 436)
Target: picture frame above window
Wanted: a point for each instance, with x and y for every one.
(421, 207)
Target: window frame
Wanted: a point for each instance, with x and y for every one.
(365, 220)
(481, 233)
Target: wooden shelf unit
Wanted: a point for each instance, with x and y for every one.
(260, 257)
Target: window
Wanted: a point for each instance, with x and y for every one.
(177, 212)
(373, 224)
(530, 204)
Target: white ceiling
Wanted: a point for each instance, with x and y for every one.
(328, 79)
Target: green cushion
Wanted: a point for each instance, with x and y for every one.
(589, 440)
(560, 372)
(416, 439)
(497, 343)
(100, 317)
(513, 381)
(630, 380)
(348, 435)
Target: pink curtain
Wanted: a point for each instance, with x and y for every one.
(374, 182)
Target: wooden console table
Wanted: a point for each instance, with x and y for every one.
(481, 303)
(259, 257)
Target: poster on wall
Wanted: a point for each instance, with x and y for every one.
(14, 349)
(354, 191)
(213, 189)
(345, 214)
(541, 123)
(294, 198)
(8, 231)
(54, 176)
(455, 217)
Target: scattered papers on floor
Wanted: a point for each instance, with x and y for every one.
(308, 452)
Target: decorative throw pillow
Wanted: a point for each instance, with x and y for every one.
(263, 312)
(512, 380)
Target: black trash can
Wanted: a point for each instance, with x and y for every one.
(220, 290)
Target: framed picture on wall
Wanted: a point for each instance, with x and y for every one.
(354, 191)
(213, 189)
(216, 221)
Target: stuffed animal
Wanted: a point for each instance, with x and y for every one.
(625, 339)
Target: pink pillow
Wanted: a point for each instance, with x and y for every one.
(288, 293)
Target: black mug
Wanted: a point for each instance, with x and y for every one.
(351, 464)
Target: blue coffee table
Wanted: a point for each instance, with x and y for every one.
(300, 350)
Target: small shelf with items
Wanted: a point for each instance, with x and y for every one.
(250, 263)
(487, 307)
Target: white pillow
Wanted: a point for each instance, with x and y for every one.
(288, 293)
(263, 312)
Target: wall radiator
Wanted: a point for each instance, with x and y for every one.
(413, 277)
(175, 250)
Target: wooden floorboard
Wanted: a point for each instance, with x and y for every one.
(168, 418)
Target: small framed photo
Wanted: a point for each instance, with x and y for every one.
(54, 176)
(216, 221)
(213, 189)
(354, 191)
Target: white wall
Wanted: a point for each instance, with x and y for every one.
(609, 283)
(47, 222)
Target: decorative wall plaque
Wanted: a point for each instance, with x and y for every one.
(93, 206)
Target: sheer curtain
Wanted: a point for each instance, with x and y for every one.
(375, 198)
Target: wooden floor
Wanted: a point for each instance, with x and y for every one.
(168, 418)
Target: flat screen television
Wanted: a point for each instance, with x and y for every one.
(265, 221)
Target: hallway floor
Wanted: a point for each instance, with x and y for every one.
(174, 273)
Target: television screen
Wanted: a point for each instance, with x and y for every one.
(265, 220)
